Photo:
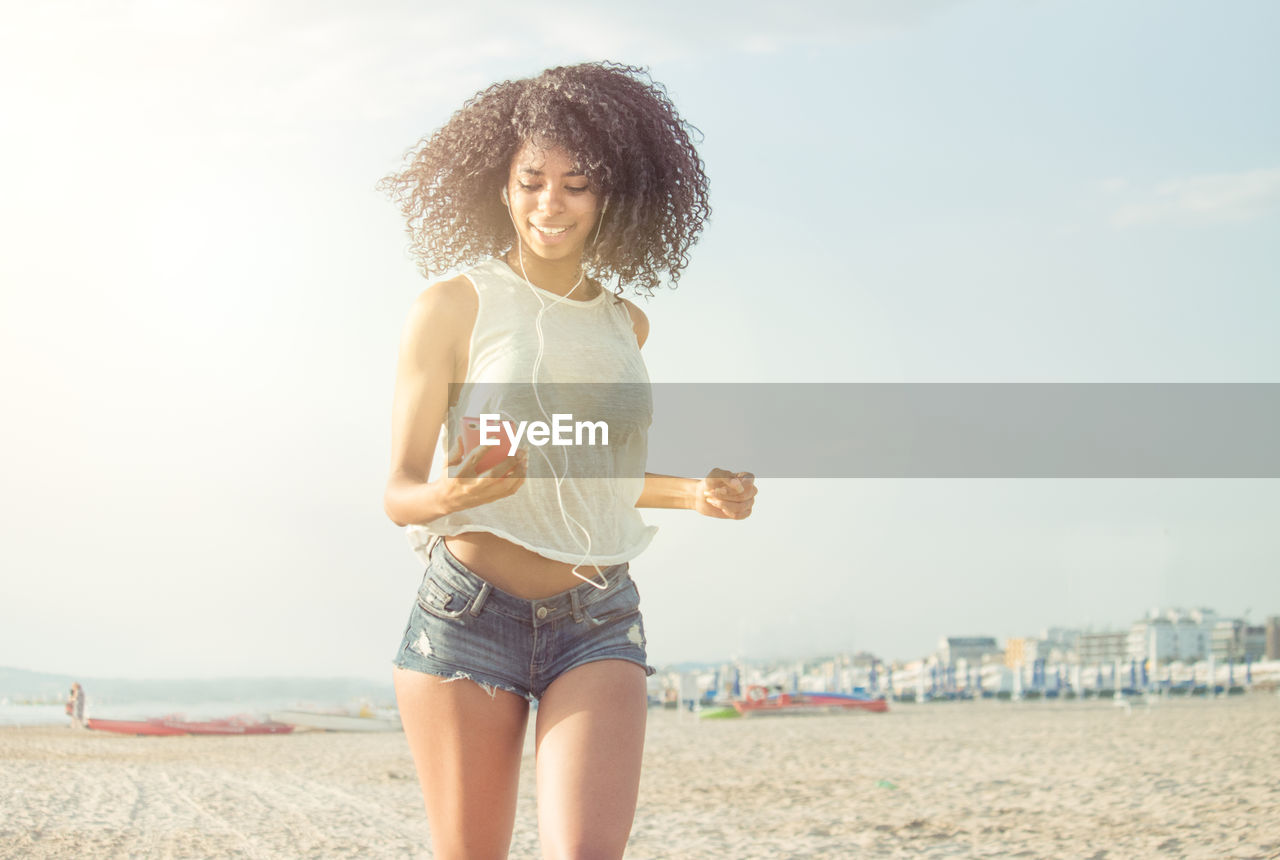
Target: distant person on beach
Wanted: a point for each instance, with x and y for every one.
(540, 191)
(75, 705)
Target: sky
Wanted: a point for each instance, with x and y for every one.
(201, 296)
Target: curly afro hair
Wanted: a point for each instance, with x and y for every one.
(623, 133)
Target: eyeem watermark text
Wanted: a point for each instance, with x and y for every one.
(540, 433)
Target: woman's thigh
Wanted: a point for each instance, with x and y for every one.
(590, 742)
(466, 744)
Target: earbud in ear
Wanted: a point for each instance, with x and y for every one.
(505, 200)
(604, 207)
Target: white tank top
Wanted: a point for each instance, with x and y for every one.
(583, 342)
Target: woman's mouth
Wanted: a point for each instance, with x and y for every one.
(549, 234)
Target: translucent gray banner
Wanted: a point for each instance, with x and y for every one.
(922, 430)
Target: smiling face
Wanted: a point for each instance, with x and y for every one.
(552, 207)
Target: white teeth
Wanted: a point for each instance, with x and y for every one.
(550, 231)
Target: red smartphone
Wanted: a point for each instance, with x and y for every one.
(497, 453)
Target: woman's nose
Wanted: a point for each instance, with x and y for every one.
(550, 200)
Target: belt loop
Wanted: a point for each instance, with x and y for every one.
(478, 603)
(576, 603)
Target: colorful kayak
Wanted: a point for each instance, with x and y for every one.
(176, 725)
(845, 700)
(133, 727)
(230, 726)
(328, 722)
(759, 702)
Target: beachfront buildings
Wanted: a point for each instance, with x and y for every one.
(1175, 635)
(1024, 650)
(1062, 643)
(1054, 645)
(971, 649)
(1172, 635)
(1167, 635)
(1093, 648)
(1235, 639)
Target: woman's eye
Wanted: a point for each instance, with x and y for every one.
(574, 189)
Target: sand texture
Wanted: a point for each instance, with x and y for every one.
(1185, 778)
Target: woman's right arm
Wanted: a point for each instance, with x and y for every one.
(431, 348)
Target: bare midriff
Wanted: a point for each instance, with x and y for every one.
(511, 568)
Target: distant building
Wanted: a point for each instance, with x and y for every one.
(1061, 642)
(1255, 642)
(1060, 636)
(1233, 639)
(1156, 636)
(1173, 634)
(1226, 639)
(1102, 647)
(969, 648)
(1025, 651)
(1191, 640)
(1273, 637)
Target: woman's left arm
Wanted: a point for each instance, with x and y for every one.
(721, 494)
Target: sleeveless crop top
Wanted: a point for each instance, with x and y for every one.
(583, 342)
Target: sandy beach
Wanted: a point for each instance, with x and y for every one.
(1087, 779)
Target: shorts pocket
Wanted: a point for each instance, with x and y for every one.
(435, 599)
(624, 604)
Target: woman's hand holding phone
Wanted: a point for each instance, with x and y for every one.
(469, 486)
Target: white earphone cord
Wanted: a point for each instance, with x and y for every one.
(565, 516)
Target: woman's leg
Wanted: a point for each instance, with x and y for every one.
(590, 741)
(466, 747)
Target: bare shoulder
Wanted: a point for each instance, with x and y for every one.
(440, 315)
(639, 322)
(454, 298)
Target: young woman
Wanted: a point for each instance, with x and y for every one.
(547, 188)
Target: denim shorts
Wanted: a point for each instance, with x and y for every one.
(462, 628)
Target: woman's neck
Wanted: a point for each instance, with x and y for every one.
(562, 277)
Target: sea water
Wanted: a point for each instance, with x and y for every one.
(32, 715)
(192, 699)
(53, 715)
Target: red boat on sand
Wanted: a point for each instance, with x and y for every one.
(176, 725)
(230, 726)
(132, 727)
(759, 702)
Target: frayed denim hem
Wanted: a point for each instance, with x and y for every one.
(489, 686)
